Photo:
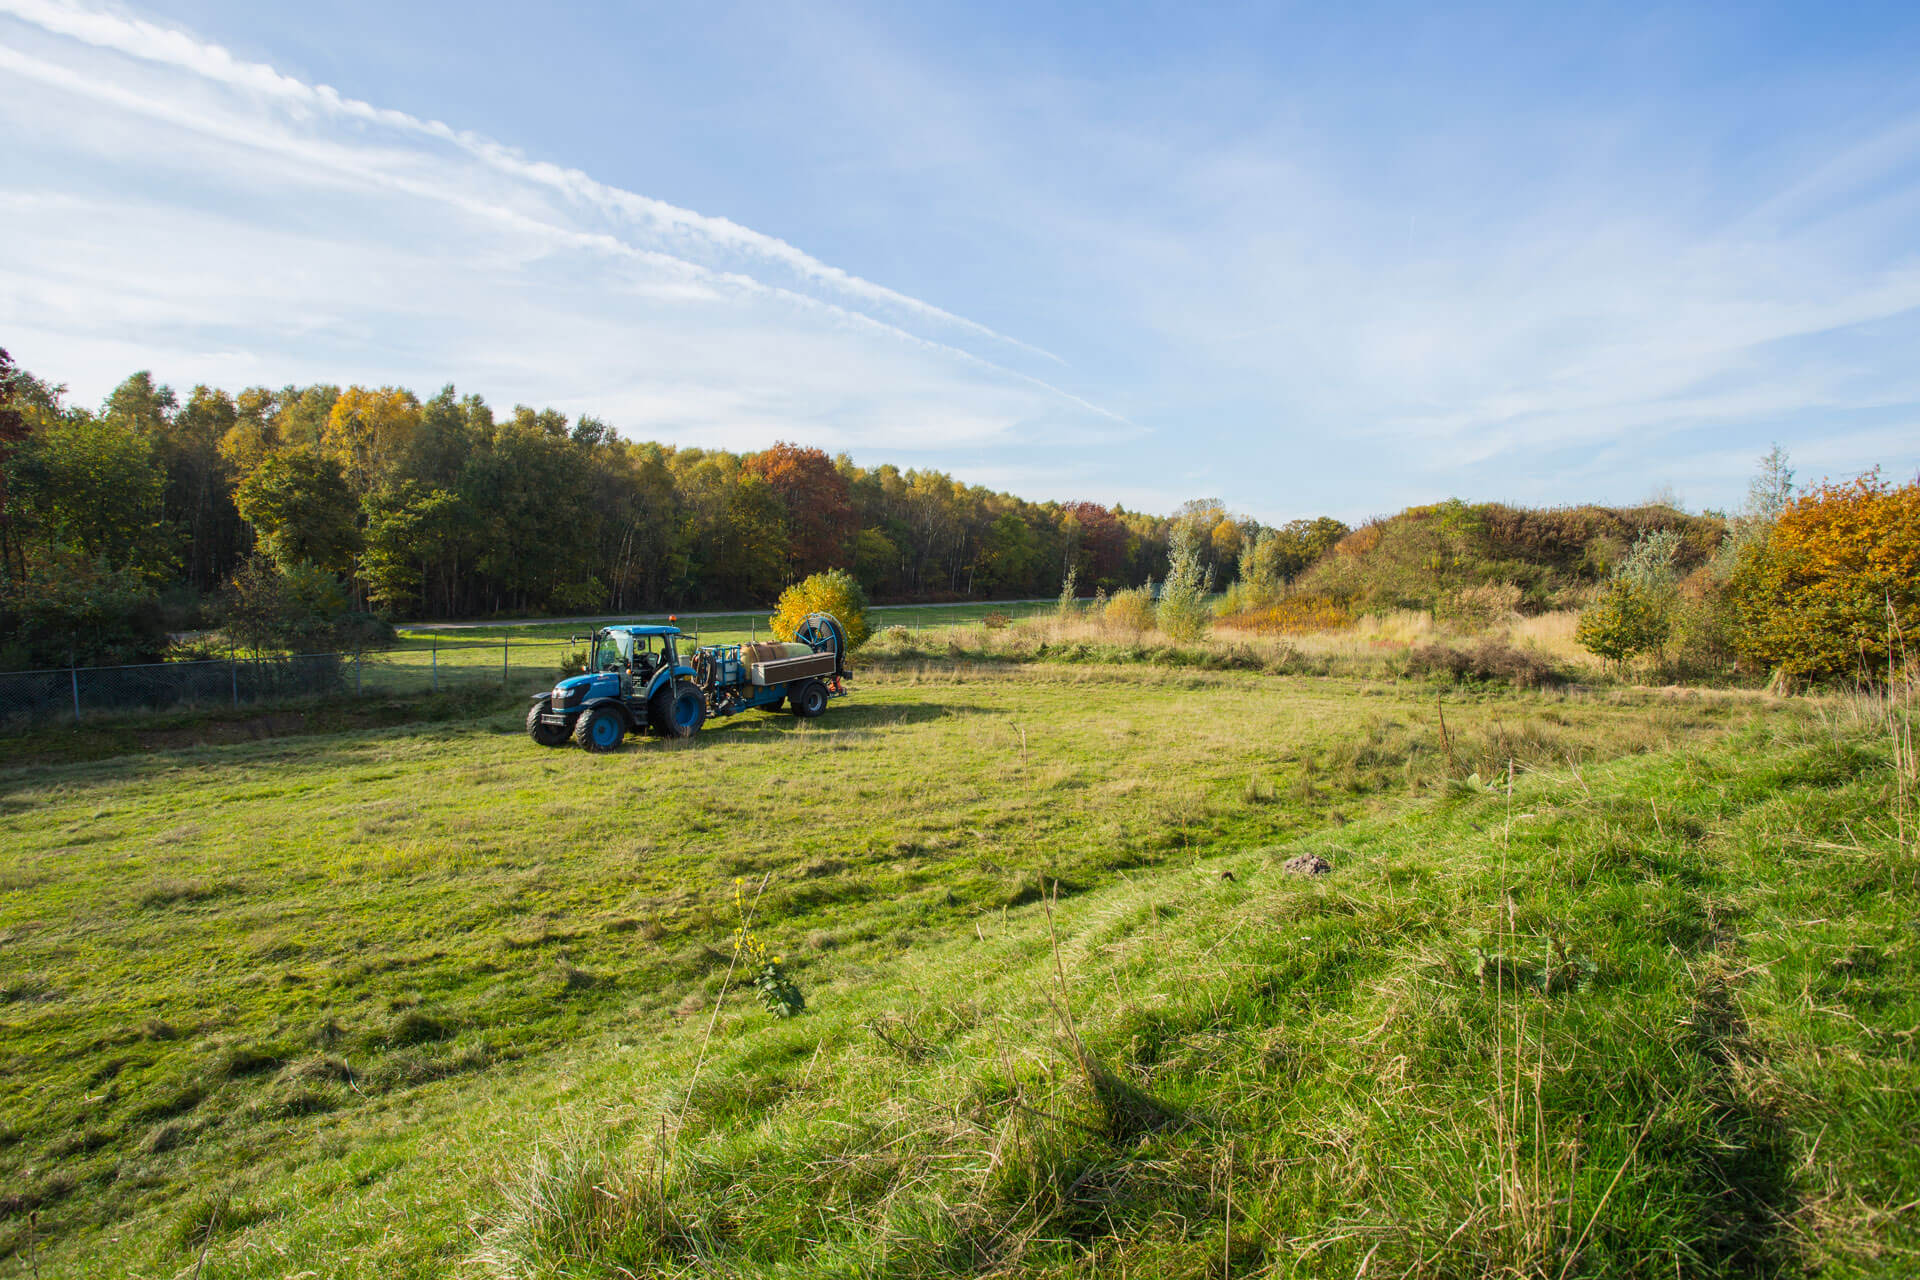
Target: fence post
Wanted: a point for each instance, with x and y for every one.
(506, 640)
(436, 662)
(233, 675)
(356, 673)
(74, 671)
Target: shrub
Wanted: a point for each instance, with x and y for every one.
(300, 608)
(70, 608)
(1183, 597)
(835, 592)
(1131, 611)
(1295, 615)
(997, 621)
(1819, 594)
(1491, 659)
(1630, 619)
(1068, 605)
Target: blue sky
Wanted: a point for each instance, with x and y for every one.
(1306, 259)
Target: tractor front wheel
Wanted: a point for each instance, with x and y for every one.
(678, 710)
(547, 735)
(600, 729)
(809, 700)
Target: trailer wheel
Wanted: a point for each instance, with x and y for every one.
(600, 729)
(809, 700)
(677, 710)
(547, 735)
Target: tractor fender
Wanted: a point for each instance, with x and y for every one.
(633, 726)
(667, 676)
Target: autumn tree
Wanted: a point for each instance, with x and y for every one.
(817, 501)
(835, 592)
(368, 431)
(1833, 590)
(1283, 554)
(1096, 544)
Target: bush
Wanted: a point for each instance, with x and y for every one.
(997, 621)
(75, 609)
(835, 592)
(1295, 615)
(300, 609)
(1183, 612)
(1491, 659)
(1821, 594)
(1131, 611)
(1630, 619)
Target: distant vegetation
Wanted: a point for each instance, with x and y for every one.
(121, 524)
(308, 516)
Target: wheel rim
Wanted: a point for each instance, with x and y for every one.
(605, 731)
(687, 710)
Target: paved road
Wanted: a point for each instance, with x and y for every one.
(593, 619)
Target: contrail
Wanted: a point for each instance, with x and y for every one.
(354, 164)
(150, 42)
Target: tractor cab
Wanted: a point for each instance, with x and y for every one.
(620, 651)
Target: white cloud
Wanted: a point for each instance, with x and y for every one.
(218, 221)
(172, 48)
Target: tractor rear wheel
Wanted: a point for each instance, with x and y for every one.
(600, 729)
(677, 710)
(809, 700)
(547, 735)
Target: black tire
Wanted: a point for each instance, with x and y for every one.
(547, 735)
(600, 729)
(678, 709)
(809, 700)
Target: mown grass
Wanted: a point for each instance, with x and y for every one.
(383, 1002)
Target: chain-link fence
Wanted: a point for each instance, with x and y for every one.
(29, 699)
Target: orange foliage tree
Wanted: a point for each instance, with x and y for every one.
(818, 501)
(1834, 583)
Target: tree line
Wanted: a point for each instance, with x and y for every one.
(120, 522)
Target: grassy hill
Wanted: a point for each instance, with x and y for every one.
(1424, 557)
(413, 1000)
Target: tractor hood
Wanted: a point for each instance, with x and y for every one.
(583, 685)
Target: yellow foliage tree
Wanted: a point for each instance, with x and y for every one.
(1834, 583)
(835, 592)
(368, 432)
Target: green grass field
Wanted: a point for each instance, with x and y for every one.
(420, 999)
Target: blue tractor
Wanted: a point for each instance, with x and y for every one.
(639, 678)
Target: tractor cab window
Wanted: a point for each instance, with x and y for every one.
(614, 650)
(644, 657)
